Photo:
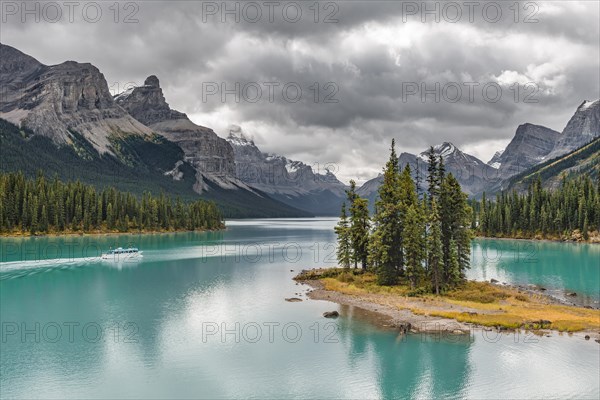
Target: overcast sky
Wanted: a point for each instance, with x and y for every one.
(370, 61)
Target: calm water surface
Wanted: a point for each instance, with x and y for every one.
(204, 316)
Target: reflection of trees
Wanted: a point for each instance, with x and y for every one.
(407, 366)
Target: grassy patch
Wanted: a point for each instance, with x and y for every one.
(479, 303)
(479, 292)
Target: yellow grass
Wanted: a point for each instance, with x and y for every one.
(480, 303)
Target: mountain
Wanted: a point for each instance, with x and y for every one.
(530, 146)
(495, 160)
(211, 156)
(473, 174)
(291, 182)
(582, 161)
(582, 128)
(535, 144)
(54, 101)
(63, 120)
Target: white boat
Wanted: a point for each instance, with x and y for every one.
(120, 254)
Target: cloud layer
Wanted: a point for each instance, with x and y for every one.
(367, 71)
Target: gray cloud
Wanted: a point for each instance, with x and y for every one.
(373, 54)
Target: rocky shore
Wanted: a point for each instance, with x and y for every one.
(405, 321)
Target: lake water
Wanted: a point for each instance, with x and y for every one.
(202, 315)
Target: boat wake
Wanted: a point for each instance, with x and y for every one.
(17, 269)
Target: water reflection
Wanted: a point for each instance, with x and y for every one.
(154, 317)
(559, 267)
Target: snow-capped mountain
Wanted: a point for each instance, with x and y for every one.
(292, 182)
(473, 174)
(495, 160)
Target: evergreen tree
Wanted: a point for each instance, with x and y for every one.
(432, 174)
(434, 246)
(37, 206)
(549, 213)
(344, 249)
(359, 226)
(386, 244)
(415, 244)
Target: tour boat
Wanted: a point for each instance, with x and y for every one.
(120, 254)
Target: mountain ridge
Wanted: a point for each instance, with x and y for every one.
(65, 115)
(292, 182)
(473, 174)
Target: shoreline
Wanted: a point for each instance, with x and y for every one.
(389, 316)
(591, 240)
(69, 234)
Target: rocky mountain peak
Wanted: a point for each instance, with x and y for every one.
(581, 129)
(292, 182)
(147, 103)
(55, 100)
(530, 145)
(445, 149)
(152, 81)
(14, 64)
(239, 139)
(587, 104)
(495, 160)
(211, 156)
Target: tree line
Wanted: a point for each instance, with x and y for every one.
(37, 205)
(573, 206)
(419, 239)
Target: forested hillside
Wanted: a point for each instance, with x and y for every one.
(32, 206)
(139, 165)
(571, 211)
(583, 161)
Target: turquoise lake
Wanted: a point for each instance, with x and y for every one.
(202, 315)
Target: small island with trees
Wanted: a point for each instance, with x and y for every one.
(408, 260)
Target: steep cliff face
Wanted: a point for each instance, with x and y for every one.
(582, 161)
(211, 156)
(292, 182)
(56, 100)
(530, 146)
(582, 128)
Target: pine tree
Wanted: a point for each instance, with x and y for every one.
(551, 213)
(359, 226)
(414, 242)
(434, 247)
(44, 220)
(432, 174)
(386, 244)
(344, 249)
(455, 217)
(360, 231)
(110, 222)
